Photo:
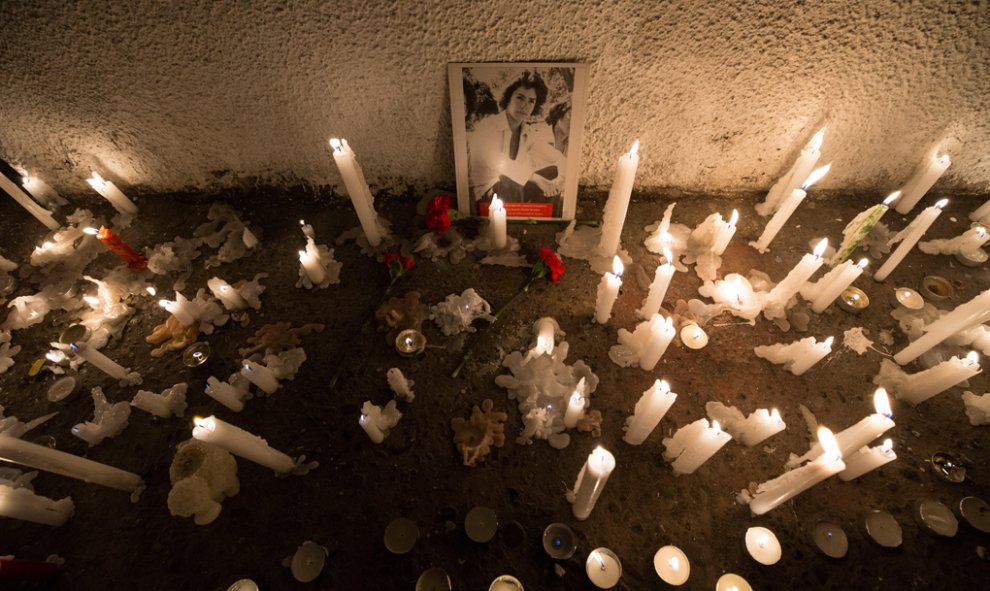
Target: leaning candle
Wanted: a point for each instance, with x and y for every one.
(608, 291)
(117, 246)
(693, 444)
(41, 191)
(787, 207)
(44, 458)
(22, 503)
(591, 481)
(658, 289)
(774, 492)
(17, 194)
(575, 406)
(112, 194)
(792, 178)
(661, 333)
(923, 385)
(759, 426)
(227, 295)
(496, 220)
(357, 190)
(241, 443)
(99, 361)
(724, 233)
(862, 433)
(834, 283)
(867, 459)
(921, 182)
(618, 202)
(965, 316)
(775, 302)
(981, 214)
(260, 376)
(652, 406)
(909, 236)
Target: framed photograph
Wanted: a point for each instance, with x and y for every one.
(518, 129)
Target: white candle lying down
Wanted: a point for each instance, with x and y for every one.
(50, 460)
(171, 402)
(241, 443)
(867, 459)
(862, 433)
(787, 486)
(591, 481)
(22, 503)
(919, 387)
(652, 406)
(969, 242)
(965, 316)
(752, 430)
(693, 444)
(796, 357)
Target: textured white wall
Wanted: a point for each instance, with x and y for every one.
(169, 95)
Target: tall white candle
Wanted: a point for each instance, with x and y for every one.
(111, 193)
(99, 361)
(22, 503)
(591, 481)
(693, 444)
(778, 297)
(965, 316)
(923, 385)
(44, 458)
(867, 459)
(260, 376)
(981, 214)
(497, 223)
(658, 289)
(17, 194)
(658, 339)
(774, 492)
(618, 202)
(791, 180)
(724, 233)
(788, 205)
(910, 236)
(923, 179)
(650, 409)
(241, 443)
(357, 190)
(575, 406)
(608, 291)
(834, 282)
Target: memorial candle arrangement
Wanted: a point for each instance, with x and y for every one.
(867, 459)
(608, 291)
(590, 482)
(772, 493)
(922, 180)
(791, 180)
(241, 443)
(17, 194)
(651, 407)
(693, 444)
(115, 244)
(614, 216)
(112, 194)
(787, 207)
(908, 237)
(357, 190)
(966, 316)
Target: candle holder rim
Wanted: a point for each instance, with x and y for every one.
(570, 543)
(416, 346)
(969, 504)
(936, 518)
(189, 358)
(840, 539)
(929, 284)
(947, 467)
(881, 519)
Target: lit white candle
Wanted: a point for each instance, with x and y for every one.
(867, 459)
(225, 394)
(758, 427)
(181, 308)
(735, 293)
(796, 357)
(17, 194)
(497, 223)
(923, 179)
(862, 433)
(787, 486)
(693, 444)
(910, 236)
(618, 202)
(22, 503)
(575, 406)
(724, 233)
(763, 545)
(608, 291)
(99, 361)
(591, 481)
(311, 265)
(923, 385)
(375, 433)
(776, 300)
(41, 457)
(791, 180)
(660, 335)
(965, 316)
(603, 568)
(111, 193)
(546, 330)
(41, 191)
(834, 282)
(789, 204)
(241, 443)
(260, 376)
(357, 190)
(693, 336)
(227, 295)
(650, 409)
(672, 565)
(658, 289)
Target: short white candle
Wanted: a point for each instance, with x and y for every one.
(923, 179)
(497, 223)
(181, 308)
(693, 336)
(99, 360)
(724, 233)
(909, 237)
(672, 565)
(44, 458)
(111, 193)
(866, 430)
(371, 428)
(227, 295)
(591, 481)
(260, 376)
(618, 202)
(17, 194)
(658, 289)
(867, 459)
(763, 545)
(791, 180)
(834, 282)
(925, 384)
(603, 568)
(660, 335)
(732, 582)
(357, 190)
(575, 406)
(965, 316)
(241, 443)
(546, 330)
(778, 297)
(797, 357)
(693, 444)
(311, 265)
(608, 291)
(22, 503)
(650, 409)
(759, 426)
(774, 492)
(788, 205)
(225, 394)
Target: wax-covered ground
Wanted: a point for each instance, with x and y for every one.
(359, 487)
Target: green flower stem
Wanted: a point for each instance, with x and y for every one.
(469, 353)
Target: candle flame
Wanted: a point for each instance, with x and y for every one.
(206, 423)
(302, 254)
(151, 290)
(617, 266)
(941, 204)
(816, 176)
(164, 303)
(46, 245)
(496, 203)
(862, 263)
(972, 358)
(92, 301)
(91, 231)
(775, 414)
(716, 426)
(674, 563)
(336, 144)
(576, 398)
(888, 444)
(816, 140)
(944, 159)
(634, 149)
(980, 231)
(668, 257)
(734, 218)
(881, 402)
(820, 247)
(26, 179)
(828, 443)
(828, 342)
(697, 332)
(663, 385)
(892, 197)
(302, 222)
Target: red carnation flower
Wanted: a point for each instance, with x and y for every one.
(549, 264)
(438, 215)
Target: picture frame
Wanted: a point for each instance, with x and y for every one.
(518, 129)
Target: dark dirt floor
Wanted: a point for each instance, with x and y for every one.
(360, 487)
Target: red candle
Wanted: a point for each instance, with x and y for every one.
(111, 240)
(27, 570)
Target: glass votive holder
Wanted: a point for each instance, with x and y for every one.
(559, 541)
(196, 354)
(410, 342)
(948, 468)
(853, 300)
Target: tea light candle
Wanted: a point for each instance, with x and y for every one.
(788, 205)
(481, 524)
(650, 409)
(853, 300)
(401, 535)
(196, 354)
(732, 582)
(762, 545)
(44, 458)
(433, 579)
(693, 337)
(693, 444)
(497, 223)
(976, 512)
(410, 342)
(868, 458)
(922, 180)
(965, 316)
(111, 193)
(260, 376)
(658, 289)
(17, 194)
(672, 565)
(357, 190)
(792, 178)
(909, 298)
(883, 529)
(835, 282)
(772, 493)
(506, 583)
(559, 541)
(608, 291)
(614, 216)
(591, 481)
(936, 518)
(603, 568)
(241, 443)
(925, 384)
(909, 236)
(830, 539)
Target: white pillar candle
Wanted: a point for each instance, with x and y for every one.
(965, 316)
(575, 406)
(909, 237)
(181, 308)
(618, 202)
(260, 376)
(862, 433)
(759, 426)
(357, 190)
(661, 333)
(778, 297)
(99, 360)
(834, 282)
(923, 179)
(591, 481)
(672, 565)
(546, 329)
(724, 233)
(791, 180)
(608, 291)
(497, 223)
(923, 385)
(311, 264)
(658, 289)
(227, 295)
(788, 205)
(370, 427)
(44, 458)
(650, 409)
(763, 545)
(111, 193)
(22, 503)
(867, 459)
(17, 194)
(981, 214)
(225, 394)
(787, 486)
(693, 444)
(241, 443)
(603, 568)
